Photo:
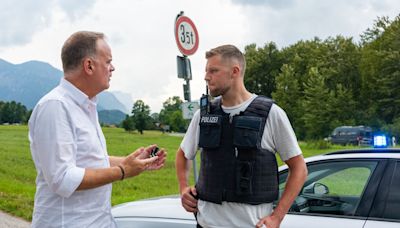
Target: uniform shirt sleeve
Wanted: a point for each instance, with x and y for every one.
(190, 142)
(53, 147)
(279, 135)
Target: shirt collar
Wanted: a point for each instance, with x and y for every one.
(77, 95)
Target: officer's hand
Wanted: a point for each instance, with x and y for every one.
(188, 199)
(270, 221)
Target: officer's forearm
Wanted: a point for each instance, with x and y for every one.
(297, 176)
(182, 169)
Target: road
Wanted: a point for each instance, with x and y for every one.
(8, 221)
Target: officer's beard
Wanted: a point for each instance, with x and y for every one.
(219, 91)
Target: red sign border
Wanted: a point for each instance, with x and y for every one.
(196, 45)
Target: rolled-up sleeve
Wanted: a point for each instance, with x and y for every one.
(190, 141)
(53, 148)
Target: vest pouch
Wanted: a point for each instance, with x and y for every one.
(246, 133)
(210, 131)
(244, 177)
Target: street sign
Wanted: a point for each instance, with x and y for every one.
(184, 68)
(186, 35)
(188, 109)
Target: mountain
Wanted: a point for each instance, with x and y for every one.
(28, 82)
(111, 116)
(107, 101)
(124, 98)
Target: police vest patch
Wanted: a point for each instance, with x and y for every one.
(210, 119)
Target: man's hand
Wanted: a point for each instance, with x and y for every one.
(271, 221)
(188, 200)
(159, 162)
(139, 160)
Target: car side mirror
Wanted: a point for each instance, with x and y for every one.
(320, 189)
(316, 188)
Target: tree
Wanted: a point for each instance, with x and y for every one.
(380, 71)
(341, 108)
(140, 116)
(171, 114)
(288, 96)
(128, 124)
(13, 112)
(316, 106)
(262, 66)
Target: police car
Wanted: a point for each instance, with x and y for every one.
(350, 188)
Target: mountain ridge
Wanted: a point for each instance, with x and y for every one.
(29, 81)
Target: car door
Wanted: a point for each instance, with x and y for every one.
(333, 194)
(386, 206)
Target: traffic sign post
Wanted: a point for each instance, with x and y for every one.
(187, 40)
(188, 109)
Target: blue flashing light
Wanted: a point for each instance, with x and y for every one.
(380, 141)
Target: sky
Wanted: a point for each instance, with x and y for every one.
(141, 33)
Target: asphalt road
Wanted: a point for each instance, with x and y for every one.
(9, 221)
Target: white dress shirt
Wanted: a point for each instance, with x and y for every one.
(65, 138)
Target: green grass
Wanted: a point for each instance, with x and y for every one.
(17, 171)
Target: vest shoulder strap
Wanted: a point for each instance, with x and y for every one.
(215, 106)
(260, 106)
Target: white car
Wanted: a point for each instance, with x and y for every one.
(354, 188)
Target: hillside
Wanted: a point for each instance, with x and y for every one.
(28, 82)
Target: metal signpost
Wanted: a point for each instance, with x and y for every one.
(187, 39)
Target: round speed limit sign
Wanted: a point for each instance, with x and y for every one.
(186, 35)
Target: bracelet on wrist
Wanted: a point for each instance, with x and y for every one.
(122, 171)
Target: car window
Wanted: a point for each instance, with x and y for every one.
(332, 188)
(392, 207)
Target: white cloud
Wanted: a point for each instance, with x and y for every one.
(141, 35)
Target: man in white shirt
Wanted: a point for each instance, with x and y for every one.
(74, 171)
(238, 137)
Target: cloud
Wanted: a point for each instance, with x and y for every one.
(285, 24)
(275, 4)
(141, 35)
(76, 9)
(21, 20)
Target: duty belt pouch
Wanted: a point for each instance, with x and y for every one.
(210, 131)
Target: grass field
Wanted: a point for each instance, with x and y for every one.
(17, 171)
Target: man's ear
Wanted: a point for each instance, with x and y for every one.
(88, 65)
(236, 70)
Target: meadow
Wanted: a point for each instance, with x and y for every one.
(17, 170)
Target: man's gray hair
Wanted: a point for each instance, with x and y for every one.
(77, 47)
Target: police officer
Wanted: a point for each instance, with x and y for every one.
(238, 134)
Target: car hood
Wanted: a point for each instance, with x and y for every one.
(163, 207)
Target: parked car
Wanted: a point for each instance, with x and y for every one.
(349, 188)
(163, 212)
(355, 135)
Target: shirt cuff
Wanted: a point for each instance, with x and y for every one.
(71, 181)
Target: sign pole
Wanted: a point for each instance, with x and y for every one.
(187, 39)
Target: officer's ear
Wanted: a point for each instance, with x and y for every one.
(235, 70)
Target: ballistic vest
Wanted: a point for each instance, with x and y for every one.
(234, 167)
